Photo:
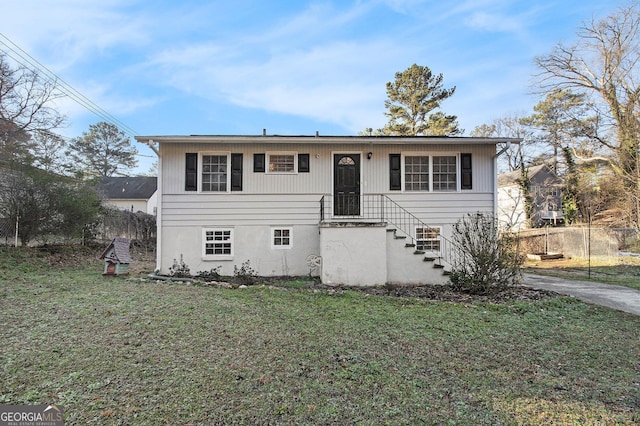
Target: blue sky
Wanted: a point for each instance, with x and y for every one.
(168, 67)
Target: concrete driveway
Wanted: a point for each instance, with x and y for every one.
(612, 296)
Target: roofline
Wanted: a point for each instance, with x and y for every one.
(375, 140)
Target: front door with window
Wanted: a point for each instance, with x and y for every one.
(346, 184)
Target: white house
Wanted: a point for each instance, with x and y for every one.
(545, 189)
(134, 194)
(356, 210)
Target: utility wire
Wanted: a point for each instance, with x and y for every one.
(16, 53)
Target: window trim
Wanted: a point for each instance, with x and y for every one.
(231, 240)
(293, 154)
(429, 154)
(274, 246)
(438, 238)
(200, 164)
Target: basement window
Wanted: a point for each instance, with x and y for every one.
(217, 243)
(282, 238)
(428, 238)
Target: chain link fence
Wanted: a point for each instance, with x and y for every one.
(138, 227)
(577, 241)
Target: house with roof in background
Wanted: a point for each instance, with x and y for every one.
(134, 194)
(354, 210)
(545, 188)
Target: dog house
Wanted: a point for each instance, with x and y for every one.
(116, 257)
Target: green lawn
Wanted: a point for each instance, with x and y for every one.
(129, 351)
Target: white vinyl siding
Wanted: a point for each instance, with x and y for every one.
(375, 172)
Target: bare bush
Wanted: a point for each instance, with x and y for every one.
(486, 262)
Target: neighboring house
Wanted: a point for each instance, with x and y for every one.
(352, 210)
(546, 195)
(131, 193)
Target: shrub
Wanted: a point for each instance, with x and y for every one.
(245, 275)
(179, 269)
(211, 275)
(485, 262)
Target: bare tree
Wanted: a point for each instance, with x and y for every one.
(47, 150)
(26, 105)
(509, 126)
(603, 63)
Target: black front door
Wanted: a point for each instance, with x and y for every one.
(346, 184)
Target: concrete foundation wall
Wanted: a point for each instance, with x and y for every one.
(353, 253)
(252, 243)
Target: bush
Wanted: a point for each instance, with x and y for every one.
(245, 275)
(211, 275)
(179, 269)
(485, 261)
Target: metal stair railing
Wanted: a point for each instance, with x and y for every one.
(381, 208)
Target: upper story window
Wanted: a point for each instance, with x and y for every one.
(430, 173)
(416, 173)
(445, 173)
(281, 162)
(214, 173)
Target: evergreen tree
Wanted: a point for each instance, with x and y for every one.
(104, 151)
(413, 104)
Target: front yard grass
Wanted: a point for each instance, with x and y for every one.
(133, 351)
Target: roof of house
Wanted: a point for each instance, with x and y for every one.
(375, 140)
(510, 178)
(129, 188)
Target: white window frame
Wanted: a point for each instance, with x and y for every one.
(201, 156)
(431, 239)
(274, 153)
(275, 246)
(229, 240)
(431, 155)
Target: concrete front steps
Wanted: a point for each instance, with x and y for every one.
(405, 270)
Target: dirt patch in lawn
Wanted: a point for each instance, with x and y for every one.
(447, 293)
(435, 292)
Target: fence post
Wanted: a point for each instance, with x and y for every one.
(15, 244)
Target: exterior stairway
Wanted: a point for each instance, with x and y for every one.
(436, 261)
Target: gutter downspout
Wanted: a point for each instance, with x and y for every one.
(159, 209)
(495, 177)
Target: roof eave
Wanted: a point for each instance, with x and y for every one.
(369, 140)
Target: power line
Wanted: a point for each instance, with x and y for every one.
(16, 53)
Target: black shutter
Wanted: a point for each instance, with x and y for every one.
(465, 172)
(395, 181)
(191, 172)
(258, 163)
(236, 172)
(303, 163)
